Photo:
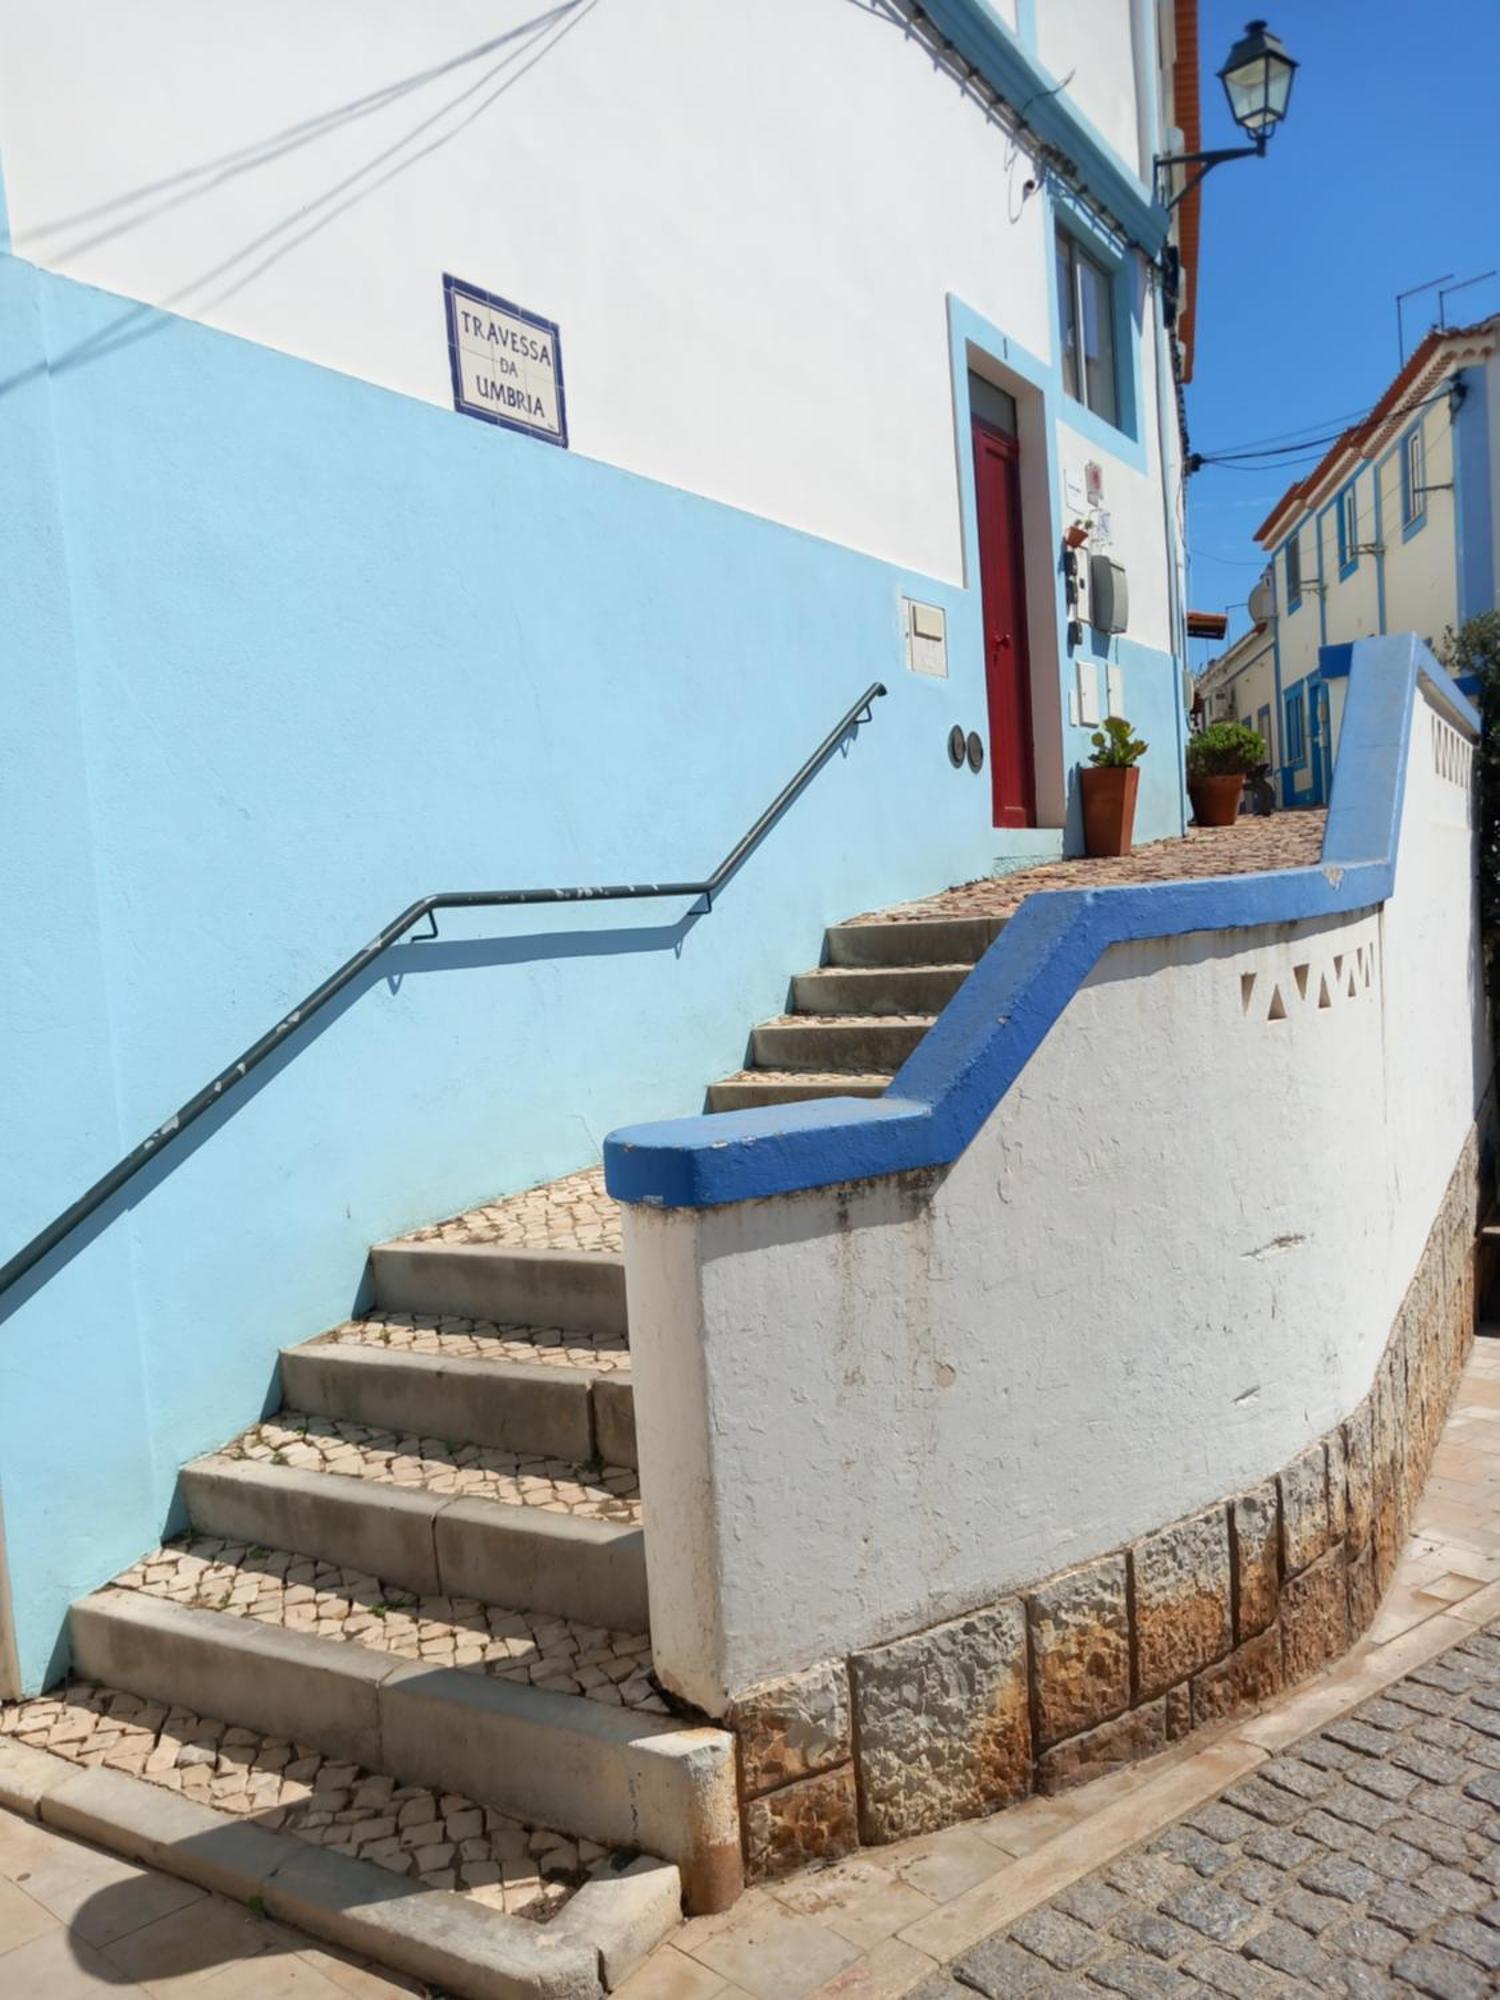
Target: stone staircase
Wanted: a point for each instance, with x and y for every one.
(426, 1574)
(854, 1021)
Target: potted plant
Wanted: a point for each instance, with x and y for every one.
(1109, 782)
(1218, 760)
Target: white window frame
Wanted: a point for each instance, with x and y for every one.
(1348, 528)
(1074, 257)
(1414, 466)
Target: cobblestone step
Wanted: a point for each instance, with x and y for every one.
(437, 1840)
(609, 1775)
(895, 940)
(581, 1291)
(435, 1542)
(752, 1087)
(486, 1340)
(278, 1587)
(556, 1412)
(877, 989)
(799, 1042)
(572, 1212)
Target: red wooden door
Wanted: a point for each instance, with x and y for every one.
(997, 487)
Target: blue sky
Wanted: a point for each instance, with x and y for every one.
(1386, 173)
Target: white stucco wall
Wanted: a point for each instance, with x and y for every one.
(746, 218)
(1169, 1260)
(1089, 45)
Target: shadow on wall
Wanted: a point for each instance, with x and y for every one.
(416, 956)
(517, 51)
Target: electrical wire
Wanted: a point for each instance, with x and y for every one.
(1311, 447)
(1302, 433)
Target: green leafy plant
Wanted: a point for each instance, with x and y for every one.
(1114, 745)
(1225, 750)
(1475, 649)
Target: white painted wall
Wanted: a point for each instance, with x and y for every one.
(865, 1409)
(746, 217)
(1089, 45)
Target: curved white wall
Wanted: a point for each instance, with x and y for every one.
(1170, 1259)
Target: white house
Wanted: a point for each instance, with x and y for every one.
(1239, 685)
(486, 449)
(588, 498)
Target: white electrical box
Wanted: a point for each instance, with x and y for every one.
(926, 638)
(1109, 595)
(1088, 694)
(1114, 691)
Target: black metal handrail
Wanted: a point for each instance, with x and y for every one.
(213, 1093)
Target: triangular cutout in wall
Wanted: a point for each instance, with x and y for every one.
(1277, 1009)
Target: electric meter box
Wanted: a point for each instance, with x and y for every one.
(1109, 594)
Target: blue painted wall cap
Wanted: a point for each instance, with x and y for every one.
(1334, 661)
(962, 1068)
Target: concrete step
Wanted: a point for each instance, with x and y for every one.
(437, 1545)
(605, 1774)
(923, 941)
(798, 1042)
(753, 1087)
(877, 989)
(307, 1594)
(547, 1409)
(579, 1289)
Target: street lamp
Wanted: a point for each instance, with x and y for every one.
(1257, 79)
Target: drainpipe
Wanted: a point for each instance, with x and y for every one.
(1176, 583)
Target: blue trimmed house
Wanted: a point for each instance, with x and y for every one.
(1395, 530)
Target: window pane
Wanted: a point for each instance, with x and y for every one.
(1098, 338)
(992, 406)
(1293, 570)
(1067, 317)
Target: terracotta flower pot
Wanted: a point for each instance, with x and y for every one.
(1216, 801)
(1108, 806)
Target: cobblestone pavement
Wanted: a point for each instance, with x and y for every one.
(1365, 1861)
(442, 1838)
(472, 1471)
(1249, 847)
(573, 1213)
(303, 1595)
(483, 1340)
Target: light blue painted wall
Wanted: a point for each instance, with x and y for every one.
(285, 651)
